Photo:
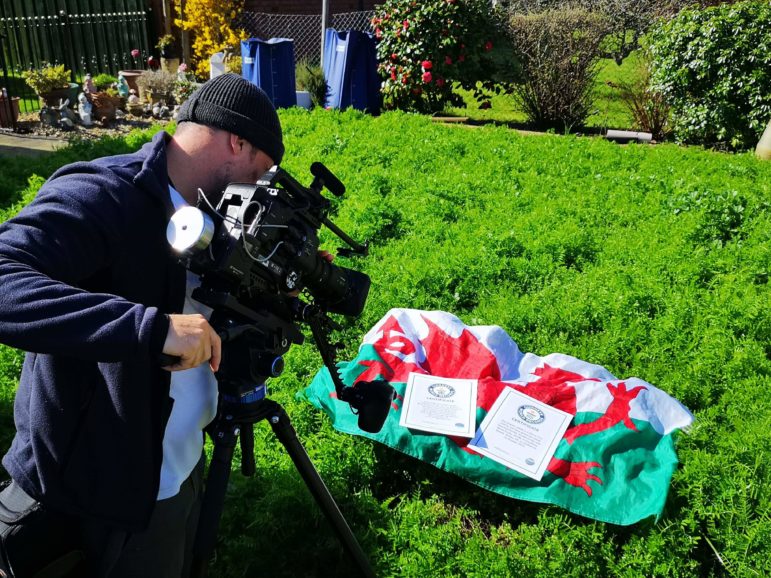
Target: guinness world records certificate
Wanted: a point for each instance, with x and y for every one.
(521, 433)
(440, 405)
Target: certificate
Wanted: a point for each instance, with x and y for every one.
(440, 405)
(521, 433)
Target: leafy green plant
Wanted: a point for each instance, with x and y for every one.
(713, 66)
(47, 78)
(424, 48)
(310, 77)
(647, 105)
(104, 81)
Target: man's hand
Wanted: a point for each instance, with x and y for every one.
(193, 340)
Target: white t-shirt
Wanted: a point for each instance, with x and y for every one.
(194, 392)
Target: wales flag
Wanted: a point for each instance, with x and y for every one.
(614, 462)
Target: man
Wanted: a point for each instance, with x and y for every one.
(106, 438)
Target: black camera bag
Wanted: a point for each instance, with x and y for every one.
(34, 542)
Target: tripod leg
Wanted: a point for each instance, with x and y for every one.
(213, 501)
(287, 435)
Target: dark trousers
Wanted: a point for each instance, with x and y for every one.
(70, 547)
(163, 550)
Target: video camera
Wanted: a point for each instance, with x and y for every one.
(255, 251)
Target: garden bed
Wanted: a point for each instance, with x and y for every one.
(29, 124)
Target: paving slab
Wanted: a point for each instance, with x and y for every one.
(19, 145)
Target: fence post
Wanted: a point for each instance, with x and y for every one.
(324, 26)
(71, 46)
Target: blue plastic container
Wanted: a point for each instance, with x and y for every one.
(270, 65)
(350, 67)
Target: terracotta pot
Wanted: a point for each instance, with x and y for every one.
(9, 111)
(131, 78)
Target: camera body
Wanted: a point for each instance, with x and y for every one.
(255, 251)
(264, 242)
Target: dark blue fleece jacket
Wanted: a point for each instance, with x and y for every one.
(86, 277)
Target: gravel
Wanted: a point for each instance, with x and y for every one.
(29, 123)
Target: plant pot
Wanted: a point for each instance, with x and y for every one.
(131, 78)
(169, 64)
(54, 97)
(9, 111)
(304, 99)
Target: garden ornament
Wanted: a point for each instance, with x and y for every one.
(84, 110)
(66, 114)
(49, 115)
(88, 85)
(123, 87)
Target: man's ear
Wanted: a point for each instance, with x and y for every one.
(236, 144)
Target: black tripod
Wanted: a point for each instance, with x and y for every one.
(241, 405)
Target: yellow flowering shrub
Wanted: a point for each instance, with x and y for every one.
(209, 21)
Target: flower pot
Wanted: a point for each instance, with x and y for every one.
(9, 111)
(54, 97)
(131, 78)
(169, 64)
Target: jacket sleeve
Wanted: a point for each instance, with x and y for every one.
(70, 231)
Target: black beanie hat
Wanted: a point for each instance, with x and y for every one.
(234, 104)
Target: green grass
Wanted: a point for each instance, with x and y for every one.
(651, 261)
(609, 110)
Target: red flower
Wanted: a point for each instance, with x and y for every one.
(378, 33)
(152, 63)
(135, 53)
(394, 56)
(404, 79)
(427, 77)
(440, 82)
(488, 46)
(426, 64)
(393, 74)
(406, 24)
(447, 60)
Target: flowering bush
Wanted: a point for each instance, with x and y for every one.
(211, 22)
(425, 47)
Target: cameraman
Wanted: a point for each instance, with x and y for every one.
(109, 443)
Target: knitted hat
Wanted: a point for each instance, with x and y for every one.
(234, 104)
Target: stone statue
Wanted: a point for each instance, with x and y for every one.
(88, 85)
(84, 110)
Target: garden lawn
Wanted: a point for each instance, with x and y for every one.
(608, 110)
(651, 261)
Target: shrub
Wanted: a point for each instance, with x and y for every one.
(647, 105)
(310, 77)
(714, 68)
(425, 47)
(49, 77)
(160, 84)
(211, 22)
(627, 20)
(559, 51)
(104, 81)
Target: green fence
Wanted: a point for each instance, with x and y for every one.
(86, 35)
